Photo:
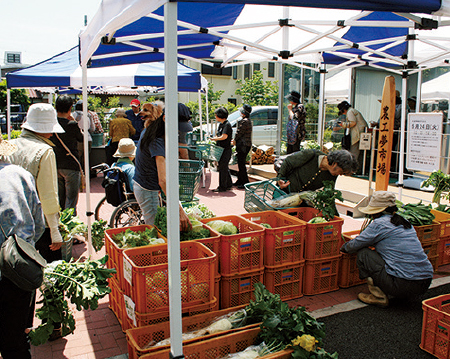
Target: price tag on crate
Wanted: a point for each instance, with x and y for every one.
(127, 270)
(129, 308)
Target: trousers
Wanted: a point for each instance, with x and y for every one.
(370, 264)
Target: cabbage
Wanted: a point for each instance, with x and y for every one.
(196, 224)
(223, 227)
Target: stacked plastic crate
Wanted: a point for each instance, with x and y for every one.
(240, 261)
(146, 279)
(115, 260)
(444, 236)
(429, 237)
(283, 252)
(348, 269)
(322, 255)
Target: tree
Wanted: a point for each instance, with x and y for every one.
(18, 96)
(213, 96)
(256, 92)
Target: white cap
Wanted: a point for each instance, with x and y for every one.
(126, 148)
(41, 118)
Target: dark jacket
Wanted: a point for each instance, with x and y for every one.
(70, 138)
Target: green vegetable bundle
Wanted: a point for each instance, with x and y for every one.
(417, 214)
(131, 239)
(441, 183)
(69, 224)
(84, 283)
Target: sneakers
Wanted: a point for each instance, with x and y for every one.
(372, 300)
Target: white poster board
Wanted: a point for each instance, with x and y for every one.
(424, 141)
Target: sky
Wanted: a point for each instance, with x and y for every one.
(44, 28)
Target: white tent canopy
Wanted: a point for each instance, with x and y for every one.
(436, 89)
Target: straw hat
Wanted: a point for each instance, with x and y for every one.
(6, 148)
(379, 202)
(41, 118)
(126, 148)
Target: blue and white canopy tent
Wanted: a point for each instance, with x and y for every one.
(134, 31)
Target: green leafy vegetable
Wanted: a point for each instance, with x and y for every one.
(223, 227)
(98, 234)
(131, 239)
(69, 224)
(417, 214)
(325, 200)
(441, 183)
(84, 283)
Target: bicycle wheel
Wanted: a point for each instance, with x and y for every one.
(127, 214)
(103, 210)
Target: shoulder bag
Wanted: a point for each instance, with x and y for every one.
(346, 141)
(83, 177)
(21, 263)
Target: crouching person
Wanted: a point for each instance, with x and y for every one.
(398, 267)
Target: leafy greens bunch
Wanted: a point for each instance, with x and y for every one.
(83, 283)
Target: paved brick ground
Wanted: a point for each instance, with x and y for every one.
(98, 334)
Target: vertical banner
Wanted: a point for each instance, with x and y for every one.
(385, 135)
(424, 141)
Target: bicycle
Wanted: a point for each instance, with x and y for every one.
(128, 213)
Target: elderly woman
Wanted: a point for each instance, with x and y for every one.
(150, 171)
(398, 266)
(120, 127)
(306, 170)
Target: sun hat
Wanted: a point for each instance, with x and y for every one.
(120, 112)
(379, 202)
(294, 96)
(126, 148)
(135, 103)
(6, 148)
(246, 109)
(41, 118)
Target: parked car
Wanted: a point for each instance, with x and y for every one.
(264, 120)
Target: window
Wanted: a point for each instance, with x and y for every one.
(235, 72)
(232, 100)
(210, 70)
(13, 58)
(247, 71)
(256, 67)
(271, 70)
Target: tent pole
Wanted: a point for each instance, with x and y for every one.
(280, 108)
(402, 136)
(173, 215)
(209, 124)
(320, 127)
(8, 113)
(419, 91)
(86, 156)
(200, 113)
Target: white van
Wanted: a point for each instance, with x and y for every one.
(264, 120)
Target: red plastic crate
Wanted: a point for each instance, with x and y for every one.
(428, 233)
(323, 240)
(283, 243)
(436, 326)
(444, 251)
(285, 280)
(237, 289)
(115, 255)
(149, 274)
(349, 272)
(143, 319)
(240, 252)
(443, 218)
(116, 301)
(220, 346)
(213, 243)
(321, 275)
(139, 338)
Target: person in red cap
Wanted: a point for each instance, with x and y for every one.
(135, 118)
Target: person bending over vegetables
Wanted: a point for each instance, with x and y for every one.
(398, 267)
(307, 169)
(150, 171)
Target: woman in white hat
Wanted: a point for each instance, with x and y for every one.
(125, 154)
(398, 266)
(20, 214)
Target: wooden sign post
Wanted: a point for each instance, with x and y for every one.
(385, 136)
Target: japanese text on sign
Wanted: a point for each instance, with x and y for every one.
(424, 141)
(383, 142)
